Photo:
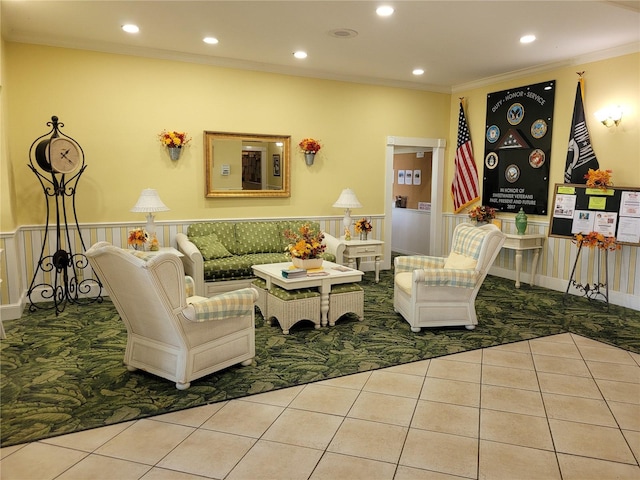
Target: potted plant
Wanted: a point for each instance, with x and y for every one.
(482, 214)
(174, 141)
(305, 247)
(363, 227)
(309, 147)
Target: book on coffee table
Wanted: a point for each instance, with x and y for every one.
(294, 272)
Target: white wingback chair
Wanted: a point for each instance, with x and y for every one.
(169, 333)
(434, 291)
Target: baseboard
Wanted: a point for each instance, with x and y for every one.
(560, 285)
(12, 311)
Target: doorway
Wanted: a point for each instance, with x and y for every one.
(437, 147)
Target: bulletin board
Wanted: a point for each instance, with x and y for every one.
(614, 212)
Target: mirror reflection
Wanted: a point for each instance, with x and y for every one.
(246, 165)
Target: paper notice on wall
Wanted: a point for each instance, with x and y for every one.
(630, 204)
(605, 223)
(583, 222)
(564, 207)
(628, 230)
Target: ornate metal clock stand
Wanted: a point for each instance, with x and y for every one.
(59, 277)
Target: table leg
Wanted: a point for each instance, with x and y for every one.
(518, 267)
(534, 265)
(377, 269)
(324, 305)
(351, 262)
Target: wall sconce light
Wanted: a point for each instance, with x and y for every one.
(609, 116)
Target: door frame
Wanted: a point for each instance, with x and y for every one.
(437, 147)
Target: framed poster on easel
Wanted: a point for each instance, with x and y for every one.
(613, 212)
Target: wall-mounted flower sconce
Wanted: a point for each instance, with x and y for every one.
(174, 141)
(309, 147)
(610, 116)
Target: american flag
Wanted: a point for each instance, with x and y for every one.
(464, 188)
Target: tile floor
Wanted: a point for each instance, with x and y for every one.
(561, 407)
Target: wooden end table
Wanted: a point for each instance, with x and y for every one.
(357, 249)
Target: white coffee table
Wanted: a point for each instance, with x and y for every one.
(336, 274)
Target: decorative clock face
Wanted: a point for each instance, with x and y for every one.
(64, 155)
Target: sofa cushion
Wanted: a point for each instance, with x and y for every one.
(210, 246)
(226, 232)
(460, 262)
(258, 237)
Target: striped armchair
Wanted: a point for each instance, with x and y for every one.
(171, 333)
(436, 292)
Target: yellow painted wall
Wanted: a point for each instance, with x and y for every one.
(614, 81)
(7, 204)
(115, 106)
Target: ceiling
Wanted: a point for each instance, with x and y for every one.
(457, 43)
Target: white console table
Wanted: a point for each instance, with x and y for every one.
(520, 243)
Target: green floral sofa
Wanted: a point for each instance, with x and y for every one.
(219, 255)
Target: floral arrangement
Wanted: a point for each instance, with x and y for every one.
(363, 225)
(482, 213)
(138, 238)
(309, 145)
(174, 139)
(599, 178)
(594, 239)
(306, 243)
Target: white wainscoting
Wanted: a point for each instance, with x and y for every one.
(22, 249)
(410, 231)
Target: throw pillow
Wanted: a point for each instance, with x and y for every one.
(210, 247)
(456, 261)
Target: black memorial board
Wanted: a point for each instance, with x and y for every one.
(612, 212)
(517, 148)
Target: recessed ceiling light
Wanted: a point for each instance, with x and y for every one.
(384, 11)
(210, 40)
(418, 71)
(527, 39)
(130, 28)
(300, 54)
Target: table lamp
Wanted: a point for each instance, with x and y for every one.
(149, 203)
(347, 200)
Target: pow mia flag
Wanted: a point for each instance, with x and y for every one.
(580, 157)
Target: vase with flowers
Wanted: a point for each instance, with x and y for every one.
(305, 247)
(363, 227)
(138, 239)
(309, 147)
(482, 214)
(174, 141)
(599, 179)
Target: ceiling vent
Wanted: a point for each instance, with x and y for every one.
(343, 33)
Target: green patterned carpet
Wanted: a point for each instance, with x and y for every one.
(64, 374)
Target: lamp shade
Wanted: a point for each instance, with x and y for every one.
(347, 199)
(149, 201)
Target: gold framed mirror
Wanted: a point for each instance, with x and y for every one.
(246, 164)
